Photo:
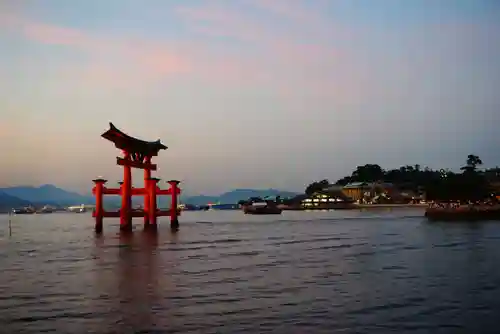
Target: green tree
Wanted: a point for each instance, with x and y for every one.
(440, 184)
(317, 186)
(471, 164)
(343, 181)
(368, 173)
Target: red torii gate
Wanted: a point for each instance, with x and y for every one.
(136, 154)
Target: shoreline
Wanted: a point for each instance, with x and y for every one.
(384, 206)
(354, 206)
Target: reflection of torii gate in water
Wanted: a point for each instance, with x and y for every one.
(136, 153)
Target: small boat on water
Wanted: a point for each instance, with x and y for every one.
(77, 208)
(261, 209)
(24, 211)
(46, 209)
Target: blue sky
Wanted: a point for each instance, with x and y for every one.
(246, 93)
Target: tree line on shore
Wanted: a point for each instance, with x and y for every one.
(471, 183)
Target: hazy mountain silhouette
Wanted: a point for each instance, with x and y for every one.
(8, 202)
(52, 195)
(47, 194)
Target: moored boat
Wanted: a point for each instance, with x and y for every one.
(24, 211)
(46, 209)
(261, 209)
(252, 210)
(77, 208)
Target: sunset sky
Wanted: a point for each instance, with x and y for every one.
(246, 93)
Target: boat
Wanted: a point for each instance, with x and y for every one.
(77, 208)
(261, 209)
(24, 211)
(46, 209)
(223, 206)
(190, 207)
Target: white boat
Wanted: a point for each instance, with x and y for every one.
(77, 208)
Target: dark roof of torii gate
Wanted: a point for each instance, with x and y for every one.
(124, 142)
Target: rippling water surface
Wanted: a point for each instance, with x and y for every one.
(225, 272)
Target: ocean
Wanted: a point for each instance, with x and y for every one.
(380, 271)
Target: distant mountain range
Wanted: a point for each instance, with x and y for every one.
(48, 194)
(8, 202)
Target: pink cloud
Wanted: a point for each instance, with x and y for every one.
(128, 62)
(222, 22)
(278, 57)
(153, 59)
(291, 9)
(49, 34)
(218, 21)
(272, 42)
(294, 20)
(268, 56)
(6, 130)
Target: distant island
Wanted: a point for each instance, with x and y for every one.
(471, 183)
(22, 196)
